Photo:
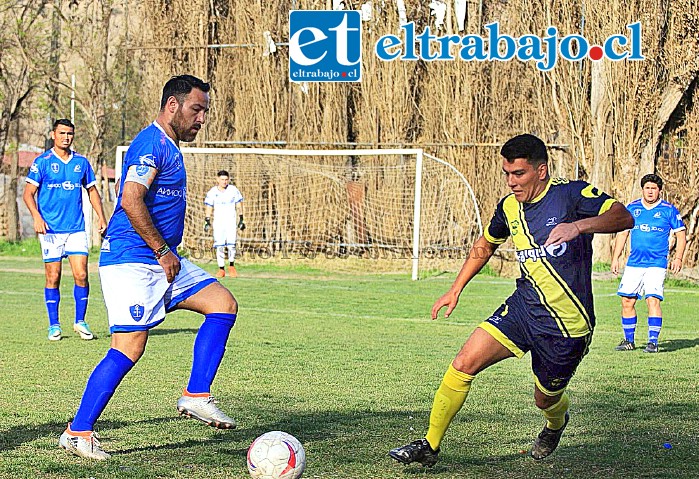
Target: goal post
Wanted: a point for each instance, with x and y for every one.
(375, 203)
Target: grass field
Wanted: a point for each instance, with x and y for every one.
(349, 365)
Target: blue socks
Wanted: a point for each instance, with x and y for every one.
(654, 325)
(209, 346)
(100, 387)
(80, 293)
(52, 297)
(629, 325)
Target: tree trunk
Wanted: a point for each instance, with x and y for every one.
(602, 149)
(13, 233)
(670, 99)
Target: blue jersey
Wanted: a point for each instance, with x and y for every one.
(651, 233)
(556, 281)
(60, 194)
(166, 199)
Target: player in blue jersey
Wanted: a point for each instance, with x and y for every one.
(143, 277)
(654, 221)
(550, 314)
(53, 194)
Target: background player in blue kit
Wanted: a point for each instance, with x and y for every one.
(225, 202)
(142, 275)
(57, 178)
(550, 314)
(654, 220)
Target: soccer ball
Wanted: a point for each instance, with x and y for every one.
(276, 455)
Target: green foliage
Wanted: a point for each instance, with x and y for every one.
(348, 364)
(680, 283)
(25, 248)
(600, 267)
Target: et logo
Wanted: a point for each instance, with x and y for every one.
(325, 46)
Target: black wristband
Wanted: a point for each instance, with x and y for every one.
(162, 251)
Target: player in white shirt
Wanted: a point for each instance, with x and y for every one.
(57, 178)
(225, 202)
(654, 221)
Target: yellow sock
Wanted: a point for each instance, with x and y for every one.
(556, 414)
(447, 401)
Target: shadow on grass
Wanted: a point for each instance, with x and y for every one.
(360, 440)
(677, 344)
(164, 331)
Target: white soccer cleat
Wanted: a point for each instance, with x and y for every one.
(83, 330)
(54, 333)
(83, 443)
(204, 409)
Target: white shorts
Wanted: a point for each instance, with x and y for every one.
(225, 235)
(138, 295)
(636, 282)
(56, 246)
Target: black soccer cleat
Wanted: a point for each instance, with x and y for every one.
(547, 441)
(417, 451)
(625, 345)
(651, 348)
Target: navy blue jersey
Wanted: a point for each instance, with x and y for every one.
(651, 233)
(166, 199)
(556, 281)
(60, 195)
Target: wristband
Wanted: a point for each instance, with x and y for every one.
(162, 251)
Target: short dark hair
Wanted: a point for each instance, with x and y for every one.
(651, 178)
(525, 146)
(64, 122)
(180, 86)
(223, 173)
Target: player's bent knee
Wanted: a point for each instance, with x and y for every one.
(543, 400)
(223, 301)
(132, 344)
(463, 364)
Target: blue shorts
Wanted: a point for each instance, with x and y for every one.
(554, 358)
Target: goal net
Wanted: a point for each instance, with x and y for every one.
(372, 210)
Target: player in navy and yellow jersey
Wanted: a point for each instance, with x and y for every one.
(550, 314)
(654, 221)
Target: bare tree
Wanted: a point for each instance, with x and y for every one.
(22, 50)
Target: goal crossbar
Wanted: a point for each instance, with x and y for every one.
(417, 153)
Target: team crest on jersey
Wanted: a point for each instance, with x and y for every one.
(76, 169)
(636, 213)
(54, 167)
(34, 168)
(136, 312)
(514, 227)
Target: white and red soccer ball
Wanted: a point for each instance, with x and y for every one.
(276, 455)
